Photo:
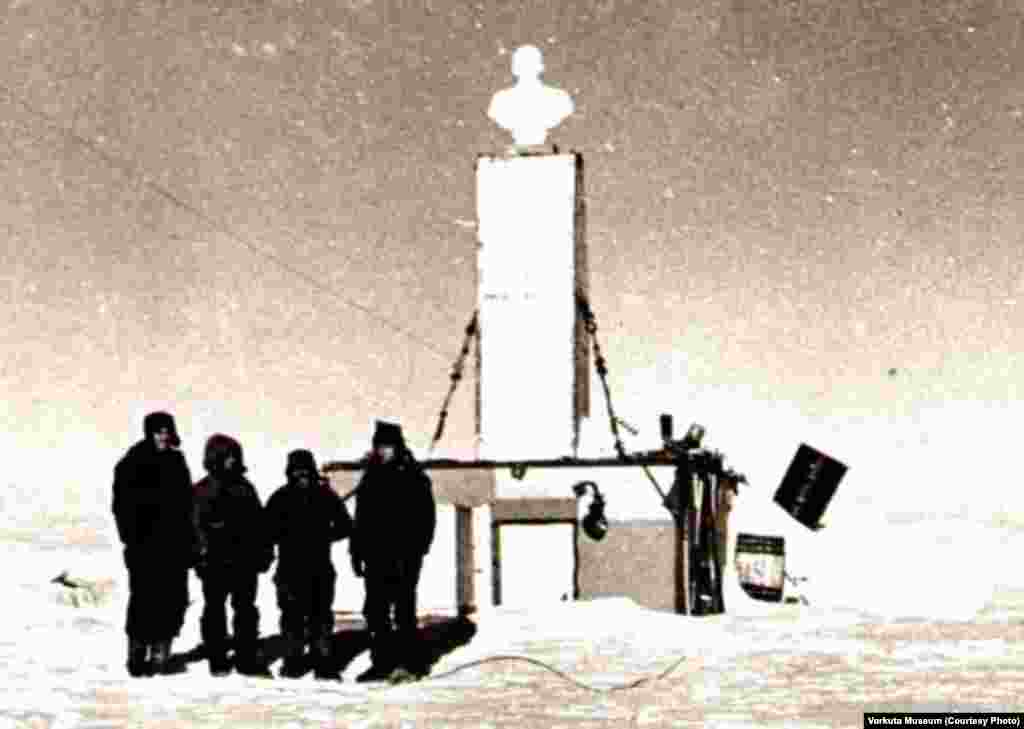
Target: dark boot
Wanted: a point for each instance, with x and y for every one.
(138, 659)
(160, 656)
(216, 654)
(373, 673)
(401, 675)
(249, 661)
(409, 653)
(323, 663)
(382, 656)
(220, 664)
(293, 666)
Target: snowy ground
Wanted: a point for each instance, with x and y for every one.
(760, 665)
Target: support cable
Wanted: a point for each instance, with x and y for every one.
(134, 171)
(590, 324)
(472, 332)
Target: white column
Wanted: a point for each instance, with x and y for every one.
(526, 211)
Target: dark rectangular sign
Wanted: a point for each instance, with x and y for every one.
(809, 484)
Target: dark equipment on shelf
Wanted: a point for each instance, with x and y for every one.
(595, 523)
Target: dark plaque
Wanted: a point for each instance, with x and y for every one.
(809, 484)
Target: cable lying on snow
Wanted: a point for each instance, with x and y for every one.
(502, 658)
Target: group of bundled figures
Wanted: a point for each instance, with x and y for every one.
(219, 528)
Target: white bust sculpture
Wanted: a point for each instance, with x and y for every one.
(529, 110)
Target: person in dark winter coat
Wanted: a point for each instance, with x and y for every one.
(233, 551)
(152, 507)
(304, 518)
(395, 518)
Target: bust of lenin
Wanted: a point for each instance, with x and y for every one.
(530, 109)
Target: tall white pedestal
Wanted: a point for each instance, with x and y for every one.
(531, 249)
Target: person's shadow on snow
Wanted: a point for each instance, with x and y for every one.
(177, 663)
(437, 637)
(440, 636)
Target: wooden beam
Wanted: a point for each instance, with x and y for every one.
(652, 459)
(533, 510)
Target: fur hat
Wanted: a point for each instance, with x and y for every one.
(388, 434)
(300, 459)
(218, 448)
(158, 421)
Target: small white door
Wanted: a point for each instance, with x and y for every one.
(537, 563)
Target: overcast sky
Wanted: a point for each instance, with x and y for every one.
(261, 215)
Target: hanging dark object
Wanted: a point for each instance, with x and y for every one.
(595, 523)
(808, 486)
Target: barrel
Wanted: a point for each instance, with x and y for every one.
(760, 564)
